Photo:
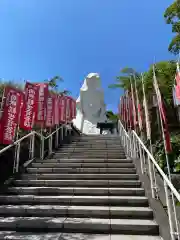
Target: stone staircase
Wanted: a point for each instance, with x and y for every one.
(87, 190)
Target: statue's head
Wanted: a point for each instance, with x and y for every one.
(92, 81)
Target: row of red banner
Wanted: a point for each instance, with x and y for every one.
(177, 86)
(36, 105)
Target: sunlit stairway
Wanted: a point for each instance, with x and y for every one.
(88, 190)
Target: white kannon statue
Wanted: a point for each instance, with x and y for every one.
(91, 108)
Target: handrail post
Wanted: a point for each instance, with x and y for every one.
(32, 140)
(42, 147)
(65, 130)
(151, 177)
(127, 146)
(57, 137)
(169, 209)
(51, 137)
(134, 147)
(42, 144)
(141, 159)
(17, 157)
(62, 135)
(50, 143)
(130, 145)
(144, 160)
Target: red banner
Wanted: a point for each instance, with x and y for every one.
(10, 115)
(42, 95)
(165, 127)
(178, 78)
(73, 109)
(131, 122)
(68, 108)
(50, 110)
(122, 108)
(29, 107)
(119, 110)
(56, 110)
(62, 110)
(165, 124)
(177, 89)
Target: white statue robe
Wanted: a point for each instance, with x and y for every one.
(90, 106)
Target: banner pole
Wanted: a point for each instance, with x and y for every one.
(17, 147)
(32, 139)
(50, 142)
(42, 142)
(57, 136)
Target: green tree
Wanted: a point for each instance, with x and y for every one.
(111, 116)
(165, 73)
(123, 81)
(54, 85)
(172, 16)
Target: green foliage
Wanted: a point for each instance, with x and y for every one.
(172, 16)
(165, 72)
(174, 156)
(172, 13)
(174, 46)
(64, 93)
(112, 116)
(123, 81)
(53, 82)
(54, 85)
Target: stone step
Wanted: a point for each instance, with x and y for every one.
(78, 183)
(92, 146)
(93, 143)
(5, 235)
(83, 165)
(91, 160)
(81, 170)
(108, 139)
(89, 155)
(91, 225)
(76, 211)
(140, 201)
(53, 191)
(99, 141)
(92, 140)
(99, 138)
(79, 176)
(90, 150)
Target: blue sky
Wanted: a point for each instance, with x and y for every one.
(70, 38)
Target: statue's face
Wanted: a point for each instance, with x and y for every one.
(93, 83)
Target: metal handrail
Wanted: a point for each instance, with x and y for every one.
(124, 129)
(42, 136)
(16, 142)
(136, 149)
(26, 136)
(163, 175)
(31, 135)
(52, 133)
